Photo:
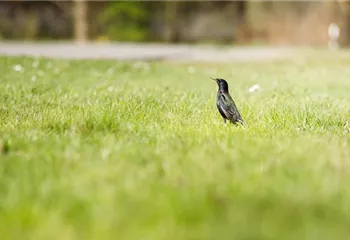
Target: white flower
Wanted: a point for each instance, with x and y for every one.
(333, 31)
(18, 68)
(254, 88)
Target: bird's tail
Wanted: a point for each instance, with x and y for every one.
(242, 122)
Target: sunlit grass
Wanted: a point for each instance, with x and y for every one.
(112, 150)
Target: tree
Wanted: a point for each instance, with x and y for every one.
(126, 20)
(172, 20)
(80, 20)
(244, 31)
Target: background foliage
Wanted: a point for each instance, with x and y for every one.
(170, 21)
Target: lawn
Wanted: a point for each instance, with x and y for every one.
(133, 150)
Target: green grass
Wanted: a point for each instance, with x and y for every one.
(113, 150)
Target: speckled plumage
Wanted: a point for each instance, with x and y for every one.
(225, 103)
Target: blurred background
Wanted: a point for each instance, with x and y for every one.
(223, 22)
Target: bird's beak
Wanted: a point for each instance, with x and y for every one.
(214, 79)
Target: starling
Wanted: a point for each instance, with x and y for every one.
(225, 103)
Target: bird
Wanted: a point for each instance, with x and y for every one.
(225, 103)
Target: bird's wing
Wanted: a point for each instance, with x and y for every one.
(228, 106)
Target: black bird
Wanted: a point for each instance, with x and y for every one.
(225, 103)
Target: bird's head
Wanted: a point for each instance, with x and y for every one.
(222, 84)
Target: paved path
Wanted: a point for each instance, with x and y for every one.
(129, 51)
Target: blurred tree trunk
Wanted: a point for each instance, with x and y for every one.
(268, 5)
(344, 9)
(244, 31)
(80, 20)
(172, 21)
(345, 6)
